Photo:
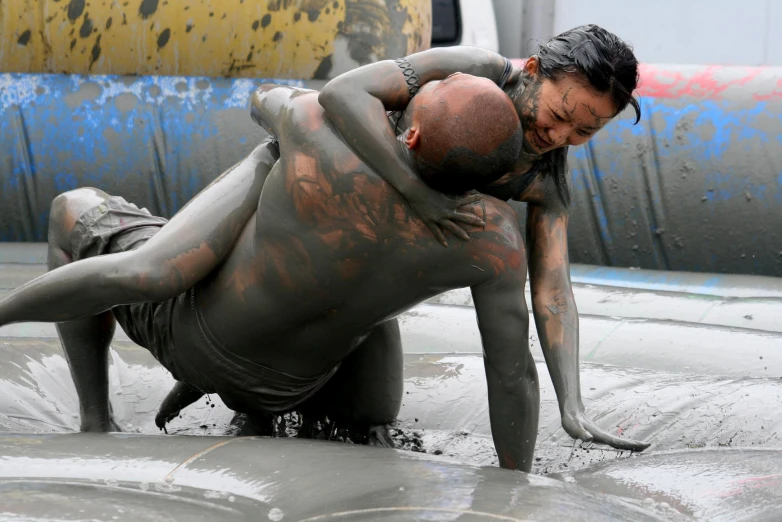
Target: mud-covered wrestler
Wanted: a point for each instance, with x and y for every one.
(278, 286)
(568, 90)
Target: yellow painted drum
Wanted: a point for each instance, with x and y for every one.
(296, 39)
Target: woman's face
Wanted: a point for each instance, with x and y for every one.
(556, 114)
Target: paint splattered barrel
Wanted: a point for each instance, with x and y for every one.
(696, 186)
(299, 39)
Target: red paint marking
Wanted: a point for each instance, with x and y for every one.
(703, 82)
(776, 93)
(741, 485)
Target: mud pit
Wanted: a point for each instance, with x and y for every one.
(667, 357)
(694, 368)
(445, 411)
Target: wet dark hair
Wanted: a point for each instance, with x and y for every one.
(598, 56)
(601, 59)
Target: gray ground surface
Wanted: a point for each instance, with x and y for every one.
(694, 373)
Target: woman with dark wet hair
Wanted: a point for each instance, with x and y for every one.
(564, 93)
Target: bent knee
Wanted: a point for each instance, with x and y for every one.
(66, 209)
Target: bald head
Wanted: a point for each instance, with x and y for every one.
(464, 133)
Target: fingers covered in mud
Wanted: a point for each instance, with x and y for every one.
(581, 428)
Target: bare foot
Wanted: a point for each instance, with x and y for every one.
(380, 437)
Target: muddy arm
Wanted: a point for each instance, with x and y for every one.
(514, 396)
(185, 250)
(356, 102)
(556, 318)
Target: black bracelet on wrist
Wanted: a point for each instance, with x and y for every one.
(505, 74)
(411, 78)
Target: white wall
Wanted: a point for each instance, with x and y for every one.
(509, 26)
(726, 32)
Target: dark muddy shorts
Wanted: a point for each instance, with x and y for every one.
(118, 226)
(113, 226)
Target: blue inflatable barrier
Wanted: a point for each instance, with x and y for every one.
(696, 186)
(156, 141)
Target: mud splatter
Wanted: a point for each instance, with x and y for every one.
(323, 70)
(86, 26)
(162, 40)
(147, 8)
(75, 9)
(24, 38)
(95, 52)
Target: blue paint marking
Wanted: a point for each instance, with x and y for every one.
(168, 125)
(78, 127)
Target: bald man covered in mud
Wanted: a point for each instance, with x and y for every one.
(278, 286)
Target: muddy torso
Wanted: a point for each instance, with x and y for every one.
(332, 251)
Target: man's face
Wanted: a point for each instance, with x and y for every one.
(556, 114)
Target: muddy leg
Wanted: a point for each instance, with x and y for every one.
(366, 392)
(86, 341)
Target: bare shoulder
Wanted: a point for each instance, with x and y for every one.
(271, 102)
(498, 249)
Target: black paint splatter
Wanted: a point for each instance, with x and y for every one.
(255, 25)
(86, 27)
(162, 40)
(188, 27)
(266, 20)
(313, 14)
(277, 36)
(95, 53)
(323, 70)
(147, 8)
(108, 23)
(75, 9)
(73, 44)
(24, 38)
(296, 16)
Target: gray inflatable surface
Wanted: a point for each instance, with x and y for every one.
(112, 477)
(726, 484)
(686, 361)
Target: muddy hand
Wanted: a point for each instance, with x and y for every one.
(441, 212)
(380, 437)
(579, 426)
(181, 396)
